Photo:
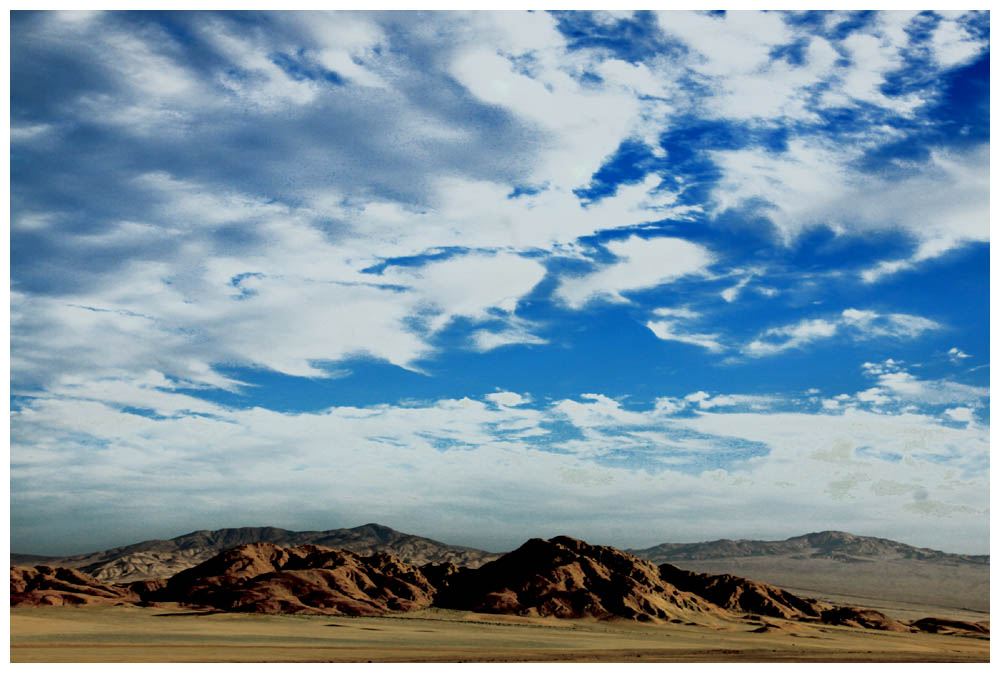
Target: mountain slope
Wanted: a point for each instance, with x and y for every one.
(564, 577)
(263, 577)
(44, 585)
(742, 594)
(164, 558)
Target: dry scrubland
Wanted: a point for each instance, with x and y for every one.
(172, 634)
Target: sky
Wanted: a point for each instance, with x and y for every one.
(630, 277)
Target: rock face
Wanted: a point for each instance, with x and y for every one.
(165, 558)
(742, 594)
(563, 577)
(264, 577)
(44, 585)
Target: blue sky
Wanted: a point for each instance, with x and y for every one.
(631, 277)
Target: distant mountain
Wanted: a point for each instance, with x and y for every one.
(561, 577)
(830, 544)
(841, 564)
(164, 558)
(31, 559)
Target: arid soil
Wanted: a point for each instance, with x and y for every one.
(173, 634)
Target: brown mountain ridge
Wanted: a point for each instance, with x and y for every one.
(561, 577)
(163, 558)
(832, 564)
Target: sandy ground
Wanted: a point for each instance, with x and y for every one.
(132, 634)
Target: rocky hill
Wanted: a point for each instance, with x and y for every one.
(44, 585)
(561, 577)
(165, 558)
(264, 577)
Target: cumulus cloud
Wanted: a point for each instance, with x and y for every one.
(960, 414)
(956, 354)
(505, 398)
(641, 263)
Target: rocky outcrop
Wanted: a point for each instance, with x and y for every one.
(564, 577)
(45, 585)
(267, 578)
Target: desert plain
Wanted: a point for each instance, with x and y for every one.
(174, 634)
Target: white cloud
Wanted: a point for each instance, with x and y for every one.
(896, 325)
(670, 327)
(960, 414)
(583, 125)
(952, 44)
(469, 285)
(344, 42)
(731, 293)
(478, 214)
(486, 340)
(942, 204)
(860, 324)
(296, 301)
(938, 224)
(897, 386)
(255, 78)
(790, 336)
(26, 132)
(507, 399)
(957, 355)
(641, 264)
(666, 330)
(407, 461)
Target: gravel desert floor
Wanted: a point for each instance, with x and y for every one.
(171, 634)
